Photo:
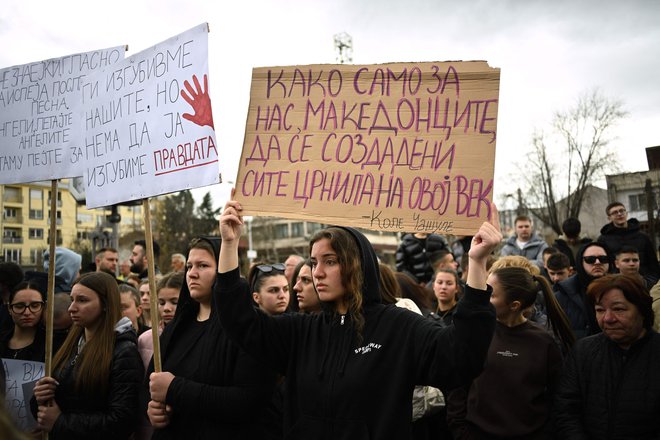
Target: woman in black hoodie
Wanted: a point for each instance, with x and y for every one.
(209, 387)
(351, 370)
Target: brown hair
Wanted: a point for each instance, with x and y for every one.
(92, 369)
(633, 290)
(200, 243)
(612, 205)
(410, 289)
(256, 277)
(173, 280)
(389, 287)
(352, 279)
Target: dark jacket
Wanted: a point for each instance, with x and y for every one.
(571, 295)
(229, 390)
(615, 238)
(609, 393)
(36, 351)
(339, 387)
(114, 416)
(413, 255)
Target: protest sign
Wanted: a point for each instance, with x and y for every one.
(394, 147)
(20, 377)
(39, 111)
(148, 123)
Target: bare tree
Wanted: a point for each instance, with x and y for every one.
(562, 165)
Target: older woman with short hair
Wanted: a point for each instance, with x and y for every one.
(610, 384)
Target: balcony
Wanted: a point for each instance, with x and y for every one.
(17, 219)
(58, 241)
(13, 198)
(12, 240)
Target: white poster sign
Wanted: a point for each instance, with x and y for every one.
(149, 125)
(39, 115)
(20, 377)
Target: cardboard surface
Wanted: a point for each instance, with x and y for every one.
(393, 147)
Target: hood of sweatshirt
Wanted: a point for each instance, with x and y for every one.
(186, 305)
(186, 311)
(584, 278)
(341, 337)
(369, 264)
(124, 331)
(610, 229)
(67, 264)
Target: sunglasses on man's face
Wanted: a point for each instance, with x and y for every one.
(593, 258)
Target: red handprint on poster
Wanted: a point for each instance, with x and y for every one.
(200, 101)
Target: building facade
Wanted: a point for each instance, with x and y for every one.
(25, 222)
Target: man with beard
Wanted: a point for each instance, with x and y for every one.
(593, 261)
(107, 260)
(139, 261)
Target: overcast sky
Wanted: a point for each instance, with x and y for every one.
(549, 52)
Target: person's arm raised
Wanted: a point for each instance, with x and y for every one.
(487, 238)
(231, 222)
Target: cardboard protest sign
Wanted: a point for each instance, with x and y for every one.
(39, 115)
(395, 147)
(150, 125)
(20, 377)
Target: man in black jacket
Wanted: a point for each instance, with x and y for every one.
(413, 256)
(624, 231)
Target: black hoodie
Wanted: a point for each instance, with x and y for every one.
(227, 391)
(339, 389)
(571, 295)
(615, 238)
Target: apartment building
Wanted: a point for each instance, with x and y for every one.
(25, 222)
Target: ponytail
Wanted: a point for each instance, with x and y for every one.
(557, 319)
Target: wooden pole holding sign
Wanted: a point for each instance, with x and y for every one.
(151, 269)
(50, 296)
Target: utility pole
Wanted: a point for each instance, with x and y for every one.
(650, 209)
(344, 48)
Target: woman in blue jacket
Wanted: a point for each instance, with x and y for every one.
(351, 370)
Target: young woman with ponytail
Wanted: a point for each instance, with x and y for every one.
(511, 398)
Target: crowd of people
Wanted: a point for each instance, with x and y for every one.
(475, 337)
